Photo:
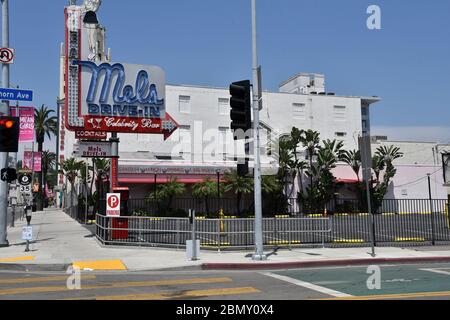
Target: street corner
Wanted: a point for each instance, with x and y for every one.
(100, 265)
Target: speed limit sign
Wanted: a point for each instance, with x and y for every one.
(25, 189)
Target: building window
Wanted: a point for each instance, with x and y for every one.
(224, 107)
(364, 124)
(341, 134)
(339, 113)
(185, 104)
(223, 141)
(299, 111)
(365, 111)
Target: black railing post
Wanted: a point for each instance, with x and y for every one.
(432, 211)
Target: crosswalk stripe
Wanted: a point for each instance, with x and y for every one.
(184, 295)
(14, 291)
(41, 279)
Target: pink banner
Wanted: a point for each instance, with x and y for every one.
(26, 123)
(28, 159)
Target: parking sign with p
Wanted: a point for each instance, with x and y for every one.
(113, 205)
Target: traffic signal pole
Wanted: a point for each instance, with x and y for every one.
(259, 254)
(4, 155)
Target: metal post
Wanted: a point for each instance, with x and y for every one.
(259, 254)
(4, 155)
(87, 192)
(433, 240)
(193, 236)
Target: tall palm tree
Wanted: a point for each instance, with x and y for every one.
(48, 163)
(45, 125)
(238, 185)
(311, 141)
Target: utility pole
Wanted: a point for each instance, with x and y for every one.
(4, 156)
(259, 244)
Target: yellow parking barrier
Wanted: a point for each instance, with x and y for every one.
(349, 241)
(409, 239)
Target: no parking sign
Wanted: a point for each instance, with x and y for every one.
(113, 205)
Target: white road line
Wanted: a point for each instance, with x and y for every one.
(308, 285)
(437, 271)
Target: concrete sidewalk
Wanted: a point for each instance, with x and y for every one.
(61, 241)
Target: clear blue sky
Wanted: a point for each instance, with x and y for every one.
(205, 42)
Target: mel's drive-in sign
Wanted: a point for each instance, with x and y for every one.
(113, 205)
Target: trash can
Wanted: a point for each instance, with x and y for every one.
(121, 224)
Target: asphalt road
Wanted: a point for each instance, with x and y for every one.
(427, 281)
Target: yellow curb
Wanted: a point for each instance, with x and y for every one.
(17, 259)
(106, 265)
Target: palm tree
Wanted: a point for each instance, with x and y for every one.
(238, 185)
(311, 141)
(45, 125)
(48, 163)
(168, 191)
(353, 159)
(100, 170)
(204, 191)
(71, 169)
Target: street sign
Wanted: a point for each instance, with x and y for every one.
(91, 135)
(94, 149)
(8, 175)
(24, 179)
(25, 189)
(6, 55)
(16, 95)
(27, 233)
(113, 205)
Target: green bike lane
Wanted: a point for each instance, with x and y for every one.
(427, 281)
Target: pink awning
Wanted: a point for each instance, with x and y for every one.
(344, 174)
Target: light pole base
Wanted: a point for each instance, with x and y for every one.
(4, 245)
(259, 257)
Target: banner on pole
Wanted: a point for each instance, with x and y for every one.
(28, 159)
(26, 115)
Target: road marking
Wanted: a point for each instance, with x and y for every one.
(41, 279)
(184, 295)
(14, 291)
(437, 271)
(396, 296)
(100, 265)
(308, 285)
(17, 259)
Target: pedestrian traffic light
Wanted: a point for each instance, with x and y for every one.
(9, 134)
(241, 109)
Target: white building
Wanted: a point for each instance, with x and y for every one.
(204, 146)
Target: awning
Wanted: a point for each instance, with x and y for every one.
(344, 174)
(161, 179)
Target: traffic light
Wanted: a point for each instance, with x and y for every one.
(241, 106)
(9, 134)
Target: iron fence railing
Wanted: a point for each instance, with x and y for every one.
(398, 222)
(213, 233)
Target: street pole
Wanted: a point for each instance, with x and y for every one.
(259, 254)
(433, 240)
(4, 155)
